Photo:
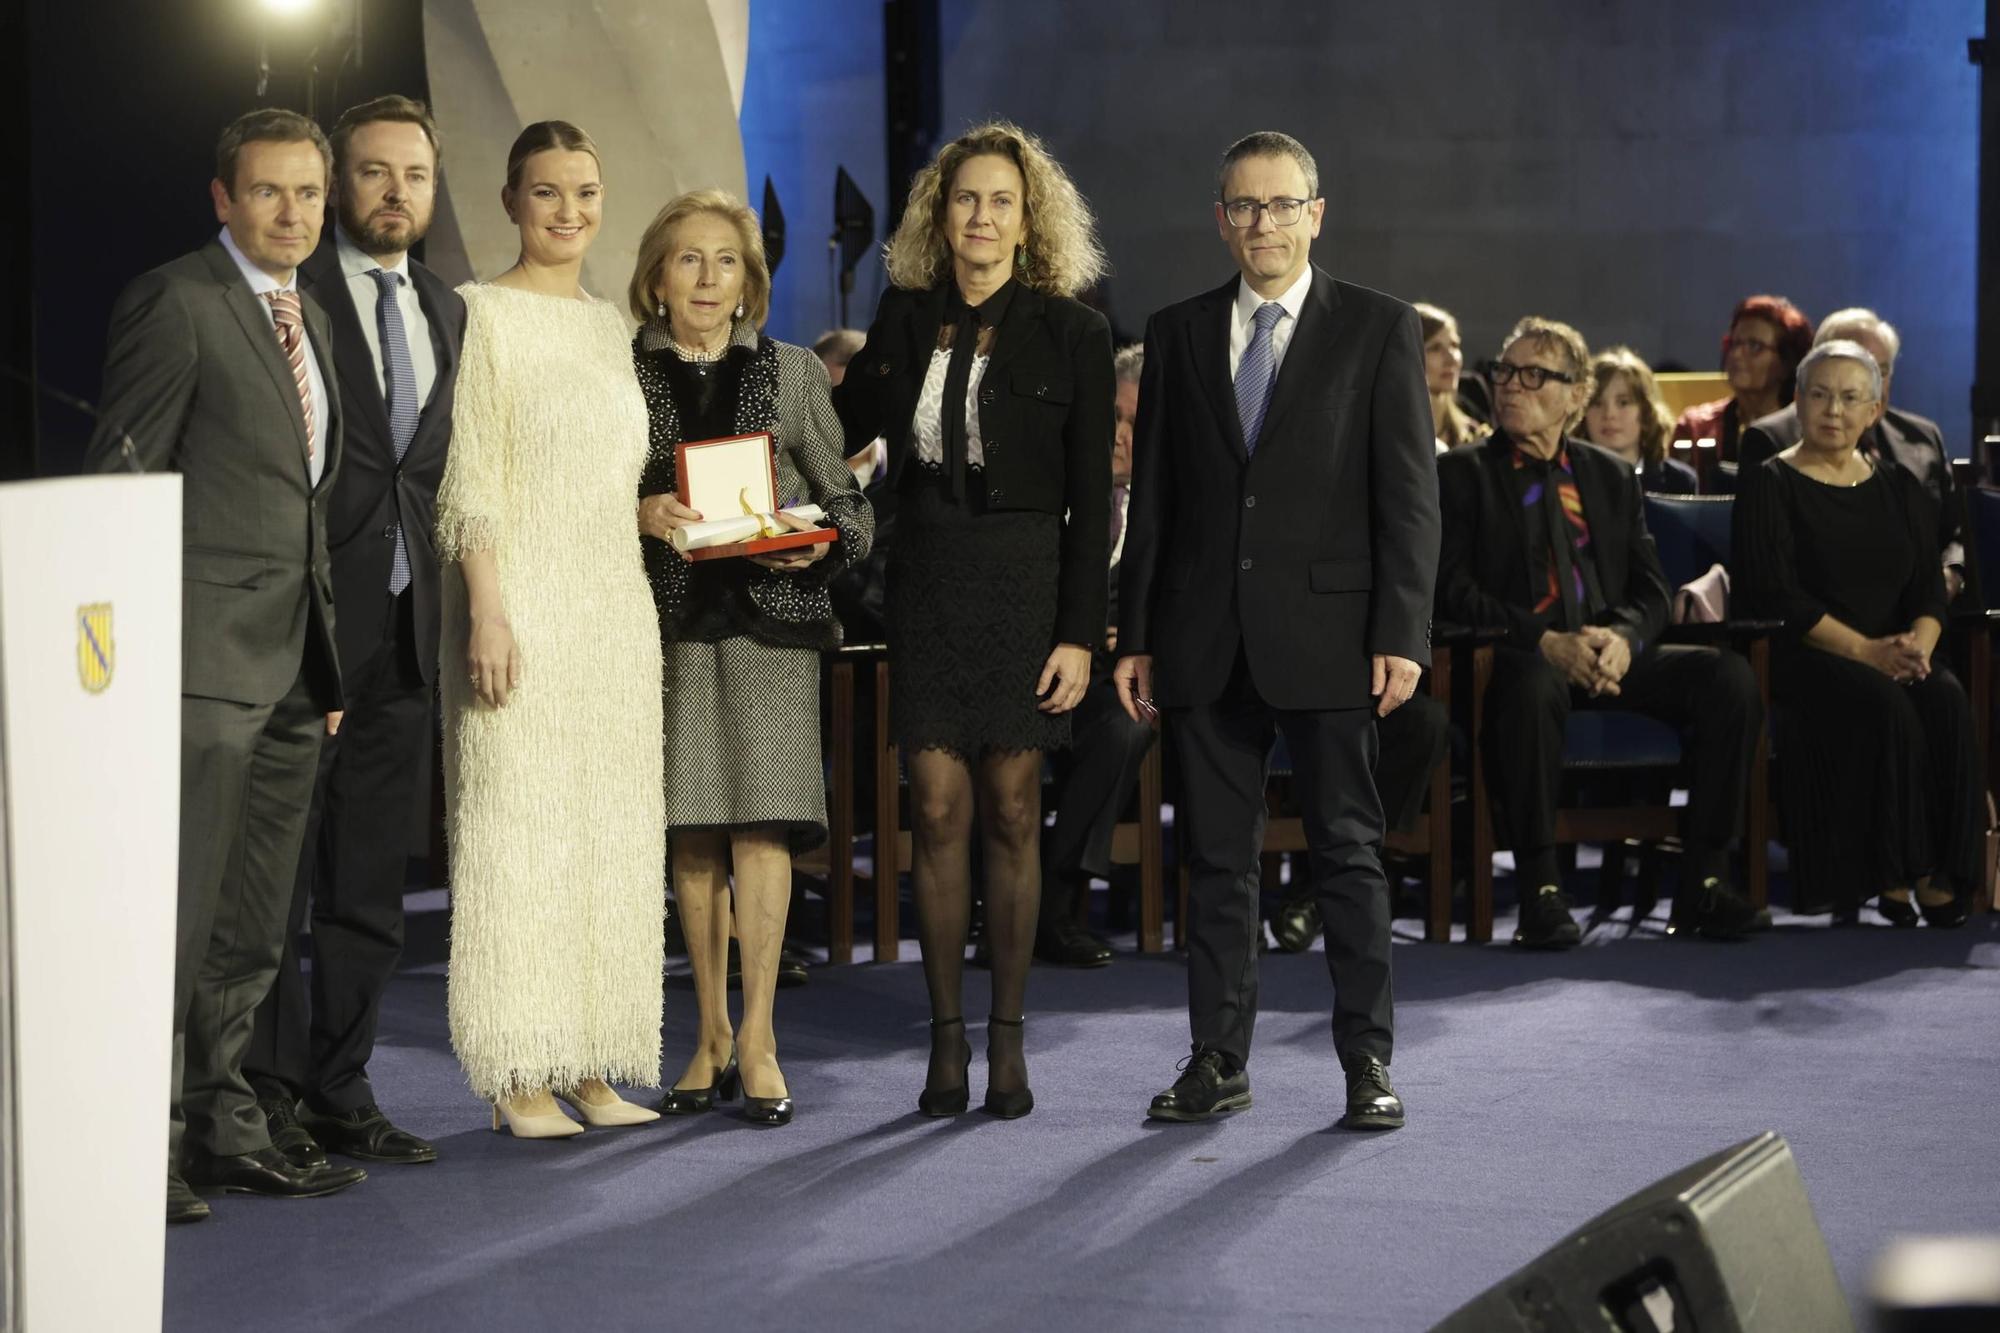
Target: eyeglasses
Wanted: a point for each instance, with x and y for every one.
(1751, 346)
(1820, 399)
(1243, 213)
(1532, 377)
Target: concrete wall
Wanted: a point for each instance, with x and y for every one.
(1631, 166)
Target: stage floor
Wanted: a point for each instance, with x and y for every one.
(1541, 1089)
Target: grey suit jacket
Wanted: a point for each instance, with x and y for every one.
(195, 375)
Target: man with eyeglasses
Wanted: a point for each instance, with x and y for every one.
(1915, 443)
(1545, 537)
(1278, 569)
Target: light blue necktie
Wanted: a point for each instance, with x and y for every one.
(403, 405)
(1256, 373)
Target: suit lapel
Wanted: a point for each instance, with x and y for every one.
(1208, 343)
(1498, 455)
(319, 332)
(320, 278)
(1024, 312)
(1306, 354)
(250, 312)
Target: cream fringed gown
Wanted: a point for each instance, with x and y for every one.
(554, 800)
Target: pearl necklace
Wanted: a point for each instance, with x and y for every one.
(695, 354)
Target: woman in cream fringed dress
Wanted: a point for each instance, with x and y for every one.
(551, 678)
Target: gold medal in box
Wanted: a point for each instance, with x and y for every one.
(733, 484)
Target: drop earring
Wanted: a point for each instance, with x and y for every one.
(739, 310)
(661, 309)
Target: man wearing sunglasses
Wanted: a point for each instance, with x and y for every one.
(1545, 537)
(1279, 561)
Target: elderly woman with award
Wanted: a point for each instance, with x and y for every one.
(748, 511)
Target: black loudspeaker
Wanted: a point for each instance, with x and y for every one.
(1728, 1245)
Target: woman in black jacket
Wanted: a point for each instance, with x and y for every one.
(993, 386)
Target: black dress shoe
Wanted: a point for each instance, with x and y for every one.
(1900, 913)
(1003, 1104)
(722, 1087)
(266, 1171)
(288, 1136)
(1947, 915)
(1068, 946)
(1371, 1102)
(948, 1101)
(1715, 911)
(183, 1204)
(1296, 924)
(367, 1134)
(1207, 1087)
(767, 1110)
(793, 961)
(1546, 922)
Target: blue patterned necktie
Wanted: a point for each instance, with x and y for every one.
(1256, 373)
(403, 405)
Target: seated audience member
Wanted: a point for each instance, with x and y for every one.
(1545, 536)
(835, 348)
(1913, 442)
(1108, 746)
(1881, 783)
(1443, 360)
(1627, 417)
(1760, 354)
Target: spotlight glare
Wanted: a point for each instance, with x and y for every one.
(288, 8)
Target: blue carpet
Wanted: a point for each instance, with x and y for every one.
(1541, 1089)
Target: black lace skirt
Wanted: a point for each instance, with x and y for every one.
(972, 617)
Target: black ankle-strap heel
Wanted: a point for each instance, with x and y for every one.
(1006, 1105)
(939, 1103)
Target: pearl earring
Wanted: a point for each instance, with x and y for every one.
(739, 310)
(662, 310)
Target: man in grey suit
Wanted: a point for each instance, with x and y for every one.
(220, 370)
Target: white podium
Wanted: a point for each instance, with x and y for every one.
(90, 678)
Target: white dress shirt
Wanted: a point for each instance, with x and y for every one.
(929, 422)
(261, 282)
(1243, 320)
(359, 268)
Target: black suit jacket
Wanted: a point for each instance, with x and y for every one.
(1045, 422)
(195, 374)
(1484, 578)
(375, 491)
(1314, 553)
(1913, 441)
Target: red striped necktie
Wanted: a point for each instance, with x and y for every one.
(290, 318)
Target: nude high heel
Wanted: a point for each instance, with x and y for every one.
(609, 1114)
(554, 1125)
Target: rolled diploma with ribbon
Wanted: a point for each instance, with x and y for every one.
(723, 531)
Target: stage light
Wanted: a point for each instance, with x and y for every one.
(288, 8)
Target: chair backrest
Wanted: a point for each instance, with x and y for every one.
(1982, 514)
(1691, 532)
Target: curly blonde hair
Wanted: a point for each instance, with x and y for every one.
(1654, 420)
(658, 243)
(1061, 256)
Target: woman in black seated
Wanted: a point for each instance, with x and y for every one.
(741, 635)
(1627, 416)
(993, 386)
(1880, 779)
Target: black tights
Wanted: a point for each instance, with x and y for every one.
(1006, 790)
